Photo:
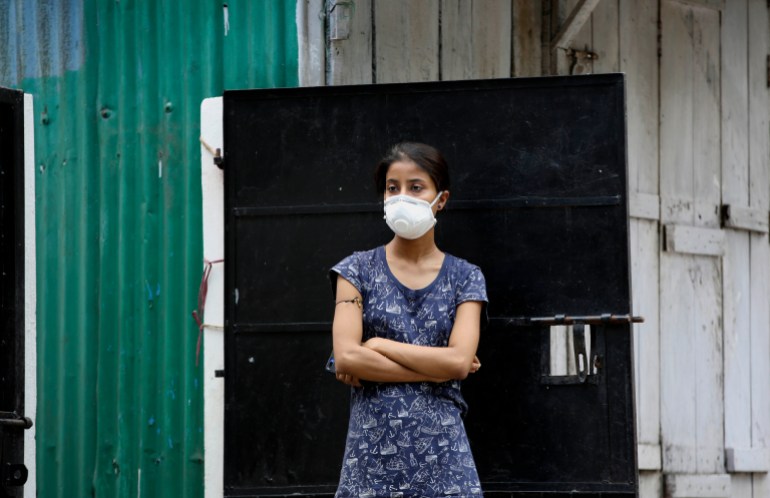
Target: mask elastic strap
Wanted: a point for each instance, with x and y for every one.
(437, 198)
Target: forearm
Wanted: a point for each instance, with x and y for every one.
(439, 362)
(367, 364)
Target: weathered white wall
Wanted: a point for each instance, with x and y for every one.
(698, 139)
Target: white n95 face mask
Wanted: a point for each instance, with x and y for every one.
(410, 218)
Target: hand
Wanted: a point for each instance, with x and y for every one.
(475, 365)
(348, 379)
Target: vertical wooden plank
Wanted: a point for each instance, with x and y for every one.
(527, 38)
(736, 261)
(644, 271)
(760, 352)
(677, 362)
(605, 23)
(350, 59)
(312, 42)
(639, 60)
(759, 192)
(406, 43)
(707, 329)
(707, 174)
(676, 115)
(456, 40)
(706, 135)
(492, 38)
(677, 367)
(638, 36)
(475, 39)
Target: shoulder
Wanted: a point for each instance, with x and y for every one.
(467, 279)
(358, 259)
(356, 269)
(356, 266)
(462, 269)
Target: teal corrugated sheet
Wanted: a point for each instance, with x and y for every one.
(117, 88)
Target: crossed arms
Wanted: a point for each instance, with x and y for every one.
(384, 360)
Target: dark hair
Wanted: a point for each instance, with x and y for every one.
(426, 157)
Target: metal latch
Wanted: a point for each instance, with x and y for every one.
(13, 419)
(578, 364)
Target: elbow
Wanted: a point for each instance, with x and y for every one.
(460, 370)
(344, 361)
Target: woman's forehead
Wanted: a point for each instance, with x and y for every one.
(409, 169)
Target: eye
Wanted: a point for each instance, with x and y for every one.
(391, 188)
(417, 187)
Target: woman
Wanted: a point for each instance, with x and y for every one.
(406, 328)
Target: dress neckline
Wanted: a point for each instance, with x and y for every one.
(404, 288)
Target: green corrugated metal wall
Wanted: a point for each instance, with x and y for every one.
(117, 87)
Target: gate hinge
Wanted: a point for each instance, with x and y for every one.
(216, 153)
(580, 60)
(219, 373)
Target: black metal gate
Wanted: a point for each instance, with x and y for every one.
(538, 201)
(13, 473)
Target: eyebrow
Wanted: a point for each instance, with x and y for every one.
(411, 180)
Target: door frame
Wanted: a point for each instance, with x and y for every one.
(30, 297)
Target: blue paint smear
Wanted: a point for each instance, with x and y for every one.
(149, 290)
(50, 36)
(151, 421)
(157, 290)
(170, 443)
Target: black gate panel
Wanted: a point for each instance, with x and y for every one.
(13, 474)
(538, 201)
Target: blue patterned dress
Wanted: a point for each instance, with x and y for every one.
(408, 439)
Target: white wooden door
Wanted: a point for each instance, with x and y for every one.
(744, 100)
(692, 405)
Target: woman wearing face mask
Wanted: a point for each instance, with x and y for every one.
(406, 328)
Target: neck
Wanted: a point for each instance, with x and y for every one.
(413, 250)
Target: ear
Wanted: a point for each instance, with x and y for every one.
(443, 200)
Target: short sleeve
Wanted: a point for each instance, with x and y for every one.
(473, 288)
(349, 269)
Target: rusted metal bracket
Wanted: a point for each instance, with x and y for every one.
(580, 60)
